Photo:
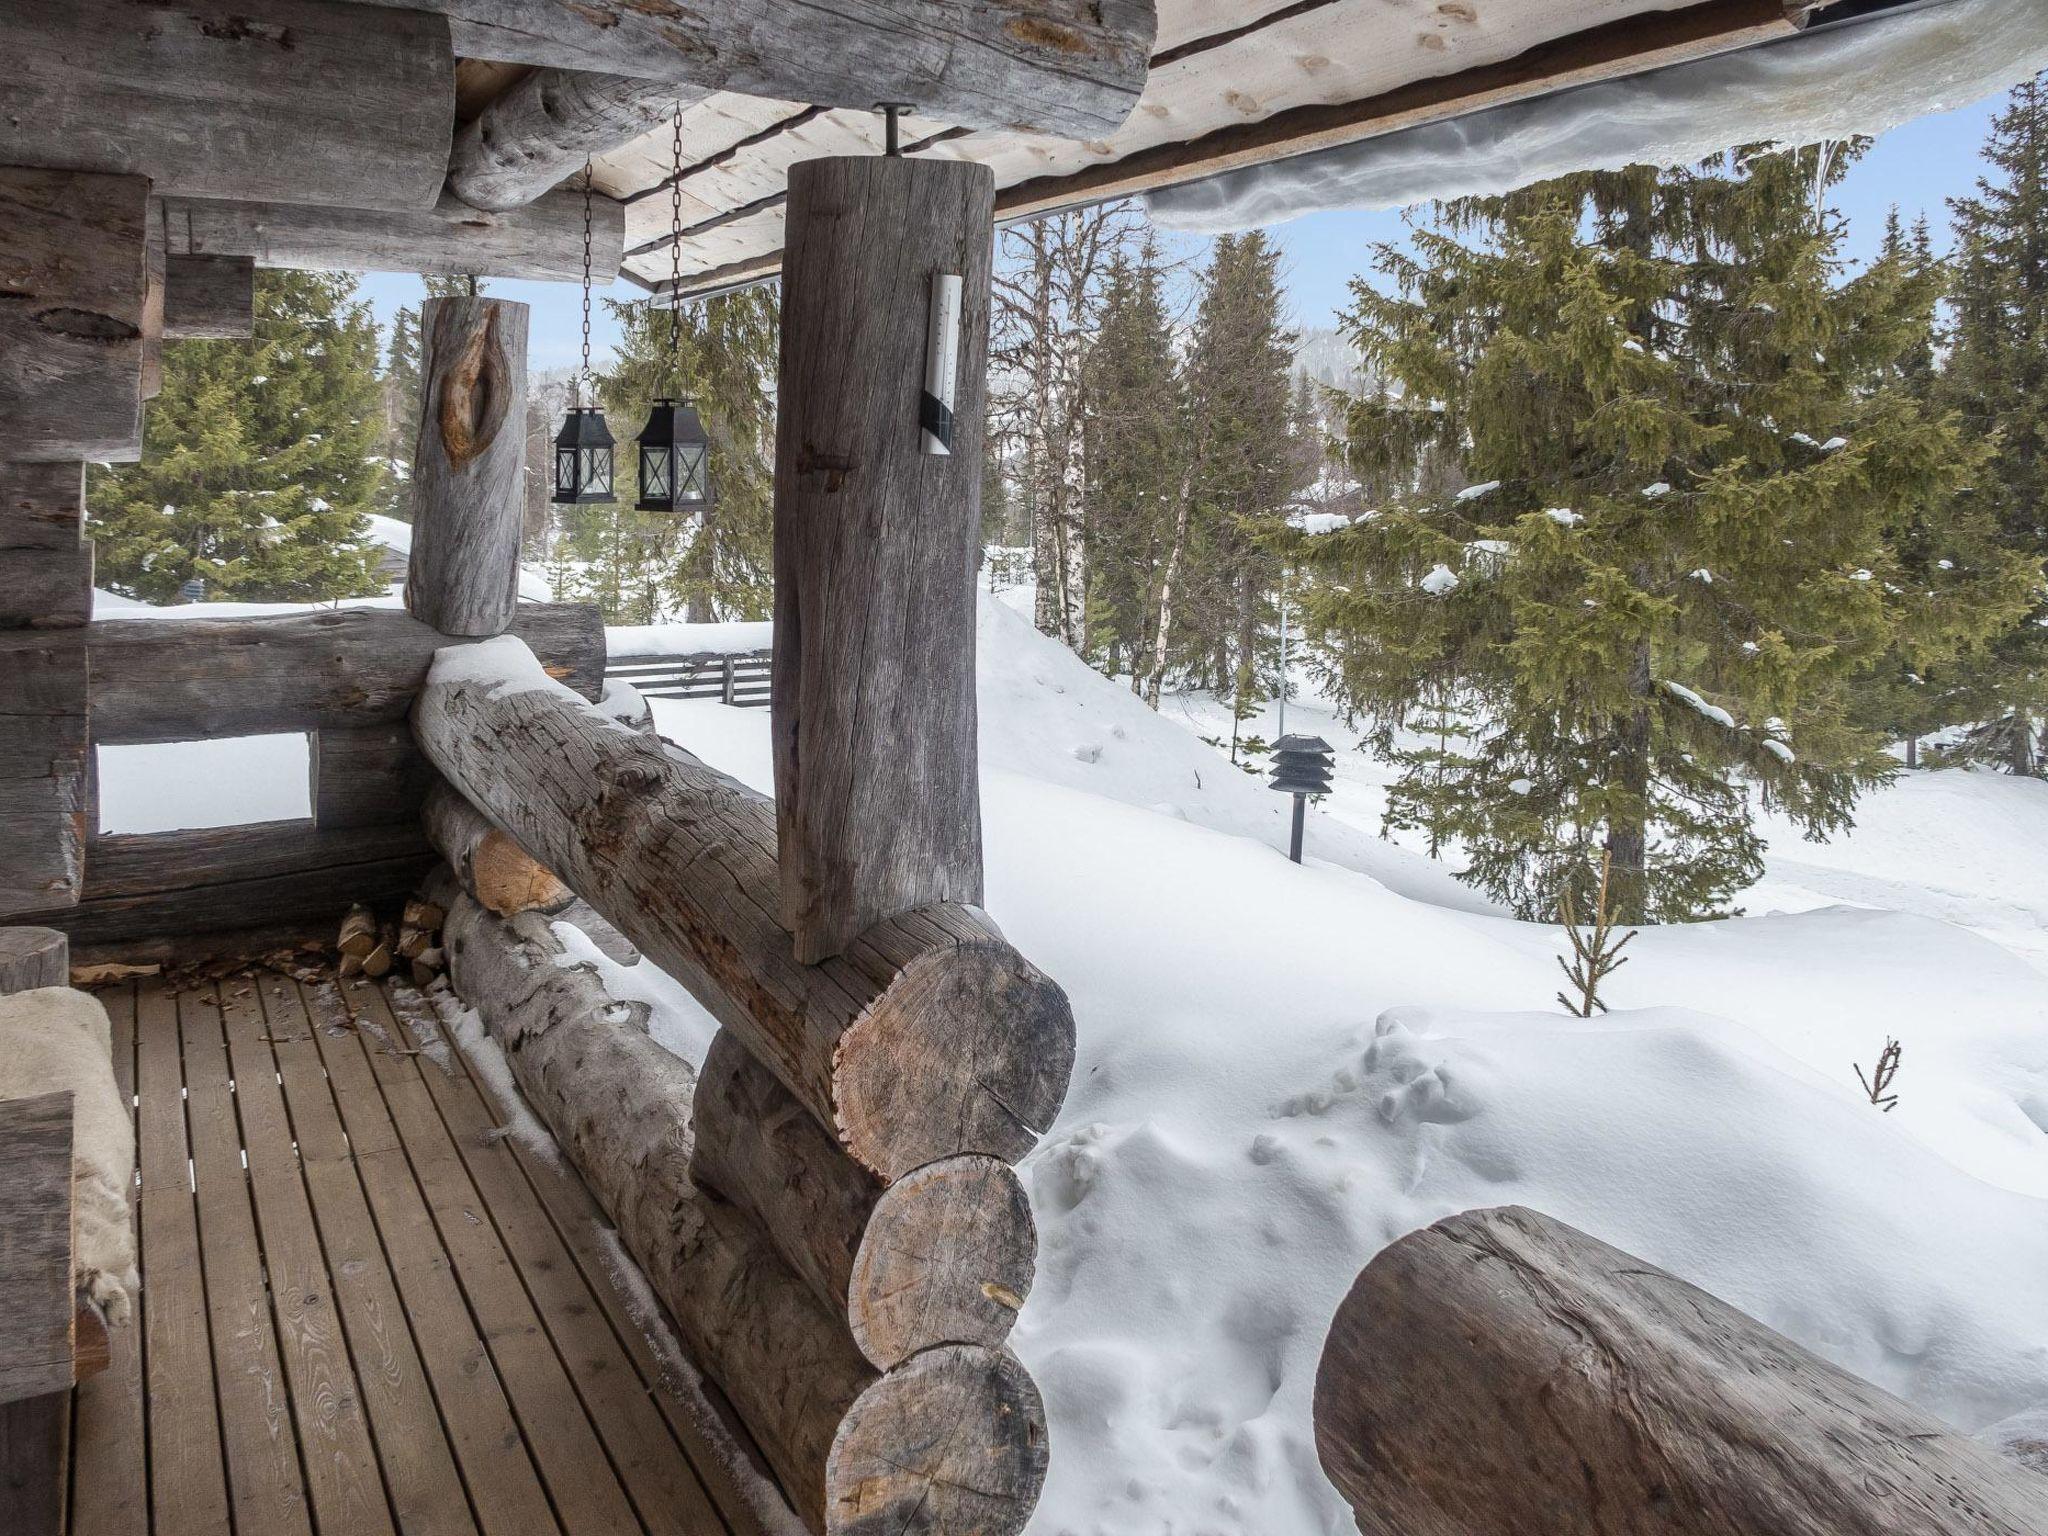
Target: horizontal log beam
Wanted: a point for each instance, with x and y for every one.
(1587, 1392)
(952, 1441)
(197, 679)
(1069, 67)
(209, 298)
(544, 129)
(295, 101)
(543, 240)
(931, 1036)
(142, 885)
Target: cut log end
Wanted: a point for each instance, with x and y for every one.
(970, 1048)
(509, 881)
(953, 1440)
(947, 1257)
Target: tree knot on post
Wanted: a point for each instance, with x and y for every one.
(85, 324)
(474, 394)
(811, 461)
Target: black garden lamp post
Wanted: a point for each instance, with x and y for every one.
(1301, 767)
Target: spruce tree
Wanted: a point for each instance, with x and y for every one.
(259, 458)
(1244, 470)
(1997, 377)
(1133, 447)
(401, 399)
(1674, 563)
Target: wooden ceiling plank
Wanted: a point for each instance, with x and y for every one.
(301, 101)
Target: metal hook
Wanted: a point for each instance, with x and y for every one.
(892, 112)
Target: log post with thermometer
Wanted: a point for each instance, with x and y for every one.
(885, 311)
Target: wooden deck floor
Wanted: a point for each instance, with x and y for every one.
(367, 1308)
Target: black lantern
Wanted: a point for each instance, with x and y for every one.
(675, 465)
(1301, 767)
(583, 458)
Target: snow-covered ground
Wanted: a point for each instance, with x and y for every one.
(1284, 1068)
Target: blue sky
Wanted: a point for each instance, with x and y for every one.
(1916, 166)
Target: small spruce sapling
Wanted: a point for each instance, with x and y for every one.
(1878, 1084)
(1596, 953)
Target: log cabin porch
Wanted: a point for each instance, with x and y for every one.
(416, 1319)
(371, 1301)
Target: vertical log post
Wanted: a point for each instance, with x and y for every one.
(45, 557)
(469, 467)
(876, 541)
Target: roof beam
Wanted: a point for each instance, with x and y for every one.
(1069, 67)
(543, 240)
(295, 101)
(547, 126)
(1650, 40)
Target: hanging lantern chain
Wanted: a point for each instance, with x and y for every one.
(585, 374)
(675, 257)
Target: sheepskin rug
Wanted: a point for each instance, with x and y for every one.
(53, 1040)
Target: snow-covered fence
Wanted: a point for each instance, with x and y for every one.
(1501, 1372)
(739, 678)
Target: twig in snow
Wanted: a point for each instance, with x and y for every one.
(1596, 953)
(1881, 1076)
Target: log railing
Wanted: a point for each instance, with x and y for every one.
(1586, 1392)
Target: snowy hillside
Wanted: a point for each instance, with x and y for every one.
(1282, 1069)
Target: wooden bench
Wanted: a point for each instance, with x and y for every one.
(49, 1341)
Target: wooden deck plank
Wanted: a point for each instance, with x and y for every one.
(282, 1085)
(651, 1462)
(341, 1464)
(504, 1486)
(188, 1476)
(264, 1479)
(710, 1431)
(584, 1488)
(110, 1480)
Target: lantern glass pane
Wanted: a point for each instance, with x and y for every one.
(565, 470)
(692, 466)
(597, 470)
(654, 476)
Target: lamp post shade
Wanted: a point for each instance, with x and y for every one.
(1302, 765)
(583, 458)
(675, 459)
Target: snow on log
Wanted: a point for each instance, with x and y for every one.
(944, 1255)
(952, 1441)
(931, 1036)
(1070, 67)
(492, 867)
(190, 679)
(469, 466)
(1588, 1392)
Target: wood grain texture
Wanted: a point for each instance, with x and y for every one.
(1072, 67)
(1589, 1392)
(877, 794)
(45, 588)
(541, 240)
(945, 1255)
(35, 1245)
(954, 1440)
(366, 776)
(303, 101)
(620, 1107)
(34, 1434)
(542, 131)
(44, 770)
(42, 506)
(73, 286)
(33, 957)
(194, 679)
(143, 884)
(209, 298)
(931, 1036)
(488, 861)
(469, 466)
